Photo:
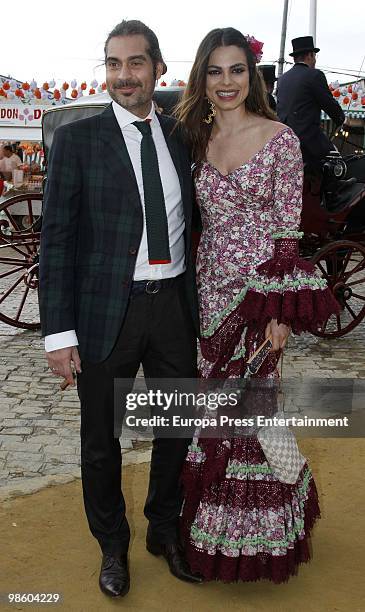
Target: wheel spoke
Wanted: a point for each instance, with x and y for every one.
(345, 262)
(17, 228)
(338, 321)
(10, 245)
(324, 272)
(12, 260)
(10, 272)
(8, 292)
(354, 316)
(30, 211)
(359, 297)
(357, 282)
(21, 305)
(355, 270)
(12, 220)
(334, 264)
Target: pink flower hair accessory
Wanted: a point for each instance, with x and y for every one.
(256, 47)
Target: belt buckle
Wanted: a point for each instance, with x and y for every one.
(149, 284)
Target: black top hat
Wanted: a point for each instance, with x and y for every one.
(268, 73)
(303, 44)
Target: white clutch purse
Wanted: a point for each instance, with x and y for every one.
(278, 442)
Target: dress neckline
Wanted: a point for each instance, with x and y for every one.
(251, 158)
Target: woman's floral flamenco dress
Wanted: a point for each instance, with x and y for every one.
(239, 522)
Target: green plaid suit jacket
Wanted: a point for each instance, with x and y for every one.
(92, 228)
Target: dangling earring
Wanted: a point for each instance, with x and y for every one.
(211, 114)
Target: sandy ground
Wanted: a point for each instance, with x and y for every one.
(46, 547)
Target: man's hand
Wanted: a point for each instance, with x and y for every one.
(278, 333)
(59, 362)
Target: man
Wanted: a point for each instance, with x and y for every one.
(10, 161)
(117, 287)
(302, 93)
(268, 74)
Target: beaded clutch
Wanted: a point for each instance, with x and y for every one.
(278, 443)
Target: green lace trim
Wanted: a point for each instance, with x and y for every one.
(286, 284)
(248, 469)
(193, 448)
(240, 354)
(287, 234)
(214, 324)
(199, 535)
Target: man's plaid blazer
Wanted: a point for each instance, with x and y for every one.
(92, 228)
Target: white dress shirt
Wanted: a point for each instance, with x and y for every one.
(174, 210)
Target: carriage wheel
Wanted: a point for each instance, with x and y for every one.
(19, 261)
(342, 264)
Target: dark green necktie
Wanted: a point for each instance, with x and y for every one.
(154, 200)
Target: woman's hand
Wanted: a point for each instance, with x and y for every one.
(158, 108)
(278, 333)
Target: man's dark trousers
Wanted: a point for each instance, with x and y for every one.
(157, 332)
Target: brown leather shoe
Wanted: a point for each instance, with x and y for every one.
(174, 555)
(114, 575)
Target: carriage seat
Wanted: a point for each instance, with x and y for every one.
(347, 193)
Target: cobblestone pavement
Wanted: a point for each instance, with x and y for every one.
(39, 424)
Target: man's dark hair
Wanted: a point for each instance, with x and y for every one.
(300, 57)
(133, 27)
(8, 148)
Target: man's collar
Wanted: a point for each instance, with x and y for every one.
(124, 117)
(301, 64)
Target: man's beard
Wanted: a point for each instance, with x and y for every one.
(129, 101)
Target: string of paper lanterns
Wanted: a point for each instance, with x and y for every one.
(352, 95)
(12, 90)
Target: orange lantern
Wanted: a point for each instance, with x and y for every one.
(2, 92)
(56, 94)
(37, 93)
(349, 89)
(45, 86)
(6, 86)
(363, 100)
(336, 93)
(65, 86)
(25, 86)
(91, 91)
(103, 86)
(19, 93)
(74, 93)
(346, 100)
(355, 95)
(83, 86)
(163, 84)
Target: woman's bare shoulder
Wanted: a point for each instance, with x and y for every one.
(270, 128)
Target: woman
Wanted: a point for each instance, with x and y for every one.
(239, 522)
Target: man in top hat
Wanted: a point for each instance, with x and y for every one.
(268, 74)
(302, 93)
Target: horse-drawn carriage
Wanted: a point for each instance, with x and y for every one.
(333, 222)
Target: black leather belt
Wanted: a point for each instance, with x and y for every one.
(153, 286)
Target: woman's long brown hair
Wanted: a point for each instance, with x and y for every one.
(193, 106)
